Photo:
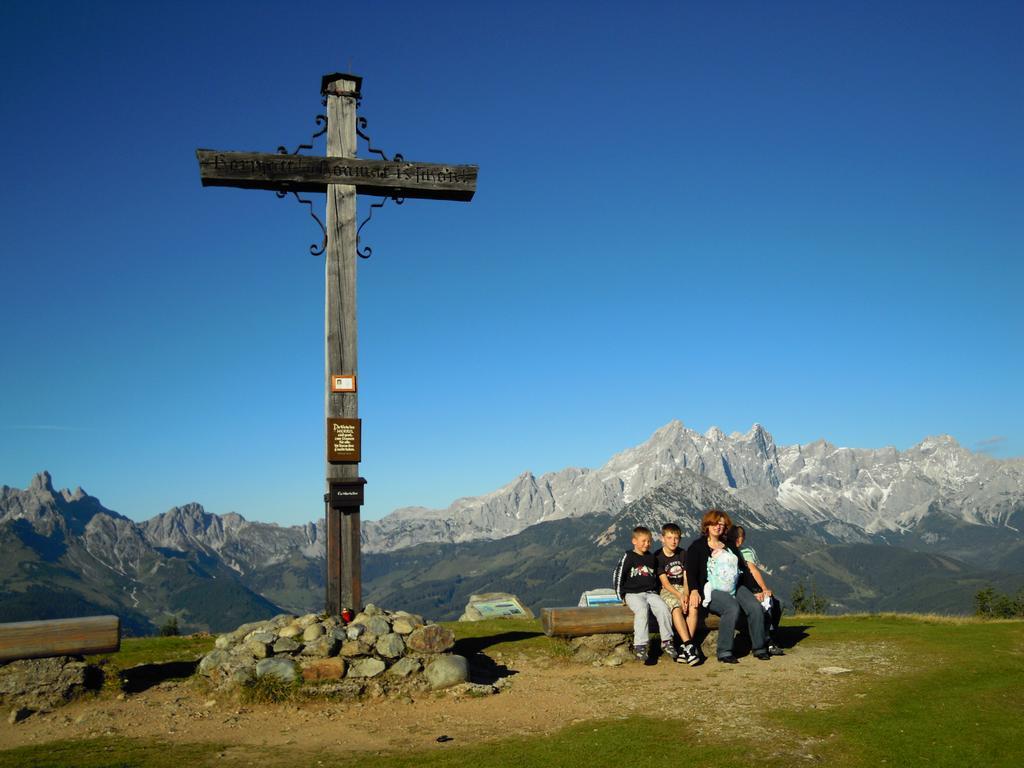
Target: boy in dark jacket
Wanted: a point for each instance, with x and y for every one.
(636, 584)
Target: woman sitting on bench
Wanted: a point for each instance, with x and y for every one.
(714, 570)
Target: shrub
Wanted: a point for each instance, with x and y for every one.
(170, 628)
(805, 599)
(990, 604)
(268, 689)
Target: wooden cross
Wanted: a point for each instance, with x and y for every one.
(342, 176)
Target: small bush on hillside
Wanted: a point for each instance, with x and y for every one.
(990, 604)
(805, 599)
(170, 628)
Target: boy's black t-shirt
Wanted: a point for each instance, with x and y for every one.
(636, 573)
(673, 566)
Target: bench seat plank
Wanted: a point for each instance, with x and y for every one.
(59, 637)
(597, 620)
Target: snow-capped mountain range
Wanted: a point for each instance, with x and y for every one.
(63, 553)
(869, 490)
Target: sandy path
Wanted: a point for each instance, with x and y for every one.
(544, 695)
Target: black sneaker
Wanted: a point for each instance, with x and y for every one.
(669, 649)
(640, 652)
(730, 659)
(774, 650)
(688, 656)
(763, 655)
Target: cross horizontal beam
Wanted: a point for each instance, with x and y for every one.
(304, 173)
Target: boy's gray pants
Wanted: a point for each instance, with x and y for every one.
(642, 602)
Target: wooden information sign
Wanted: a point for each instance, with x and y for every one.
(342, 176)
(344, 439)
(255, 170)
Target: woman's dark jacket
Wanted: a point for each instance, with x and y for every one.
(697, 555)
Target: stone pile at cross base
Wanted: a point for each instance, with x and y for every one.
(393, 651)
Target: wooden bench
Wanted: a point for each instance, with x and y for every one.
(598, 620)
(59, 637)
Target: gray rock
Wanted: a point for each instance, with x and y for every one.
(212, 661)
(261, 636)
(292, 630)
(368, 638)
(415, 618)
(322, 647)
(257, 648)
(431, 639)
(403, 626)
(366, 668)
(405, 667)
(353, 631)
(352, 648)
(242, 675)
(307, 620)
(446, 671)
(378, 625)
(390, 646)
(223, 641)
(312, 632)
(287, 645)
(40, 684)
(244, 630)
(834, 670)
(371, 610)
(281, 668)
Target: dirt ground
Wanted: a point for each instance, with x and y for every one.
(543, 694)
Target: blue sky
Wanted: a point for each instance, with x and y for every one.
(806, 215)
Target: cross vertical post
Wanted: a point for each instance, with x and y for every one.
(342, 176)
(344, 587)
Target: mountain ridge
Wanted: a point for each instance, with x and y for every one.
(872, 489)
(63, 548)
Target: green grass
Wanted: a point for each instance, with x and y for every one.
(110, 753)
(145, 659)
(155, 650)
(958, 703)
(953, 699)
(522, 637)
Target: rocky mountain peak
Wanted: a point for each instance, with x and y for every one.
(72, 496)
(42, 482)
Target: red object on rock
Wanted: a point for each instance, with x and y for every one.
(346, 615)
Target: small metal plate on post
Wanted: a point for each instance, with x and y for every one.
(344, 440)
(343, 382)
(346, 494)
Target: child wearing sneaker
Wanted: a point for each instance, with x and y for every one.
(672, 574)
(636, 584)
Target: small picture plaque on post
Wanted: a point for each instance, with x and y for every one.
(346, 494)
(344, 440)
(343, 382)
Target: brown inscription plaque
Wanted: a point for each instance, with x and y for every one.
(344, 438)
